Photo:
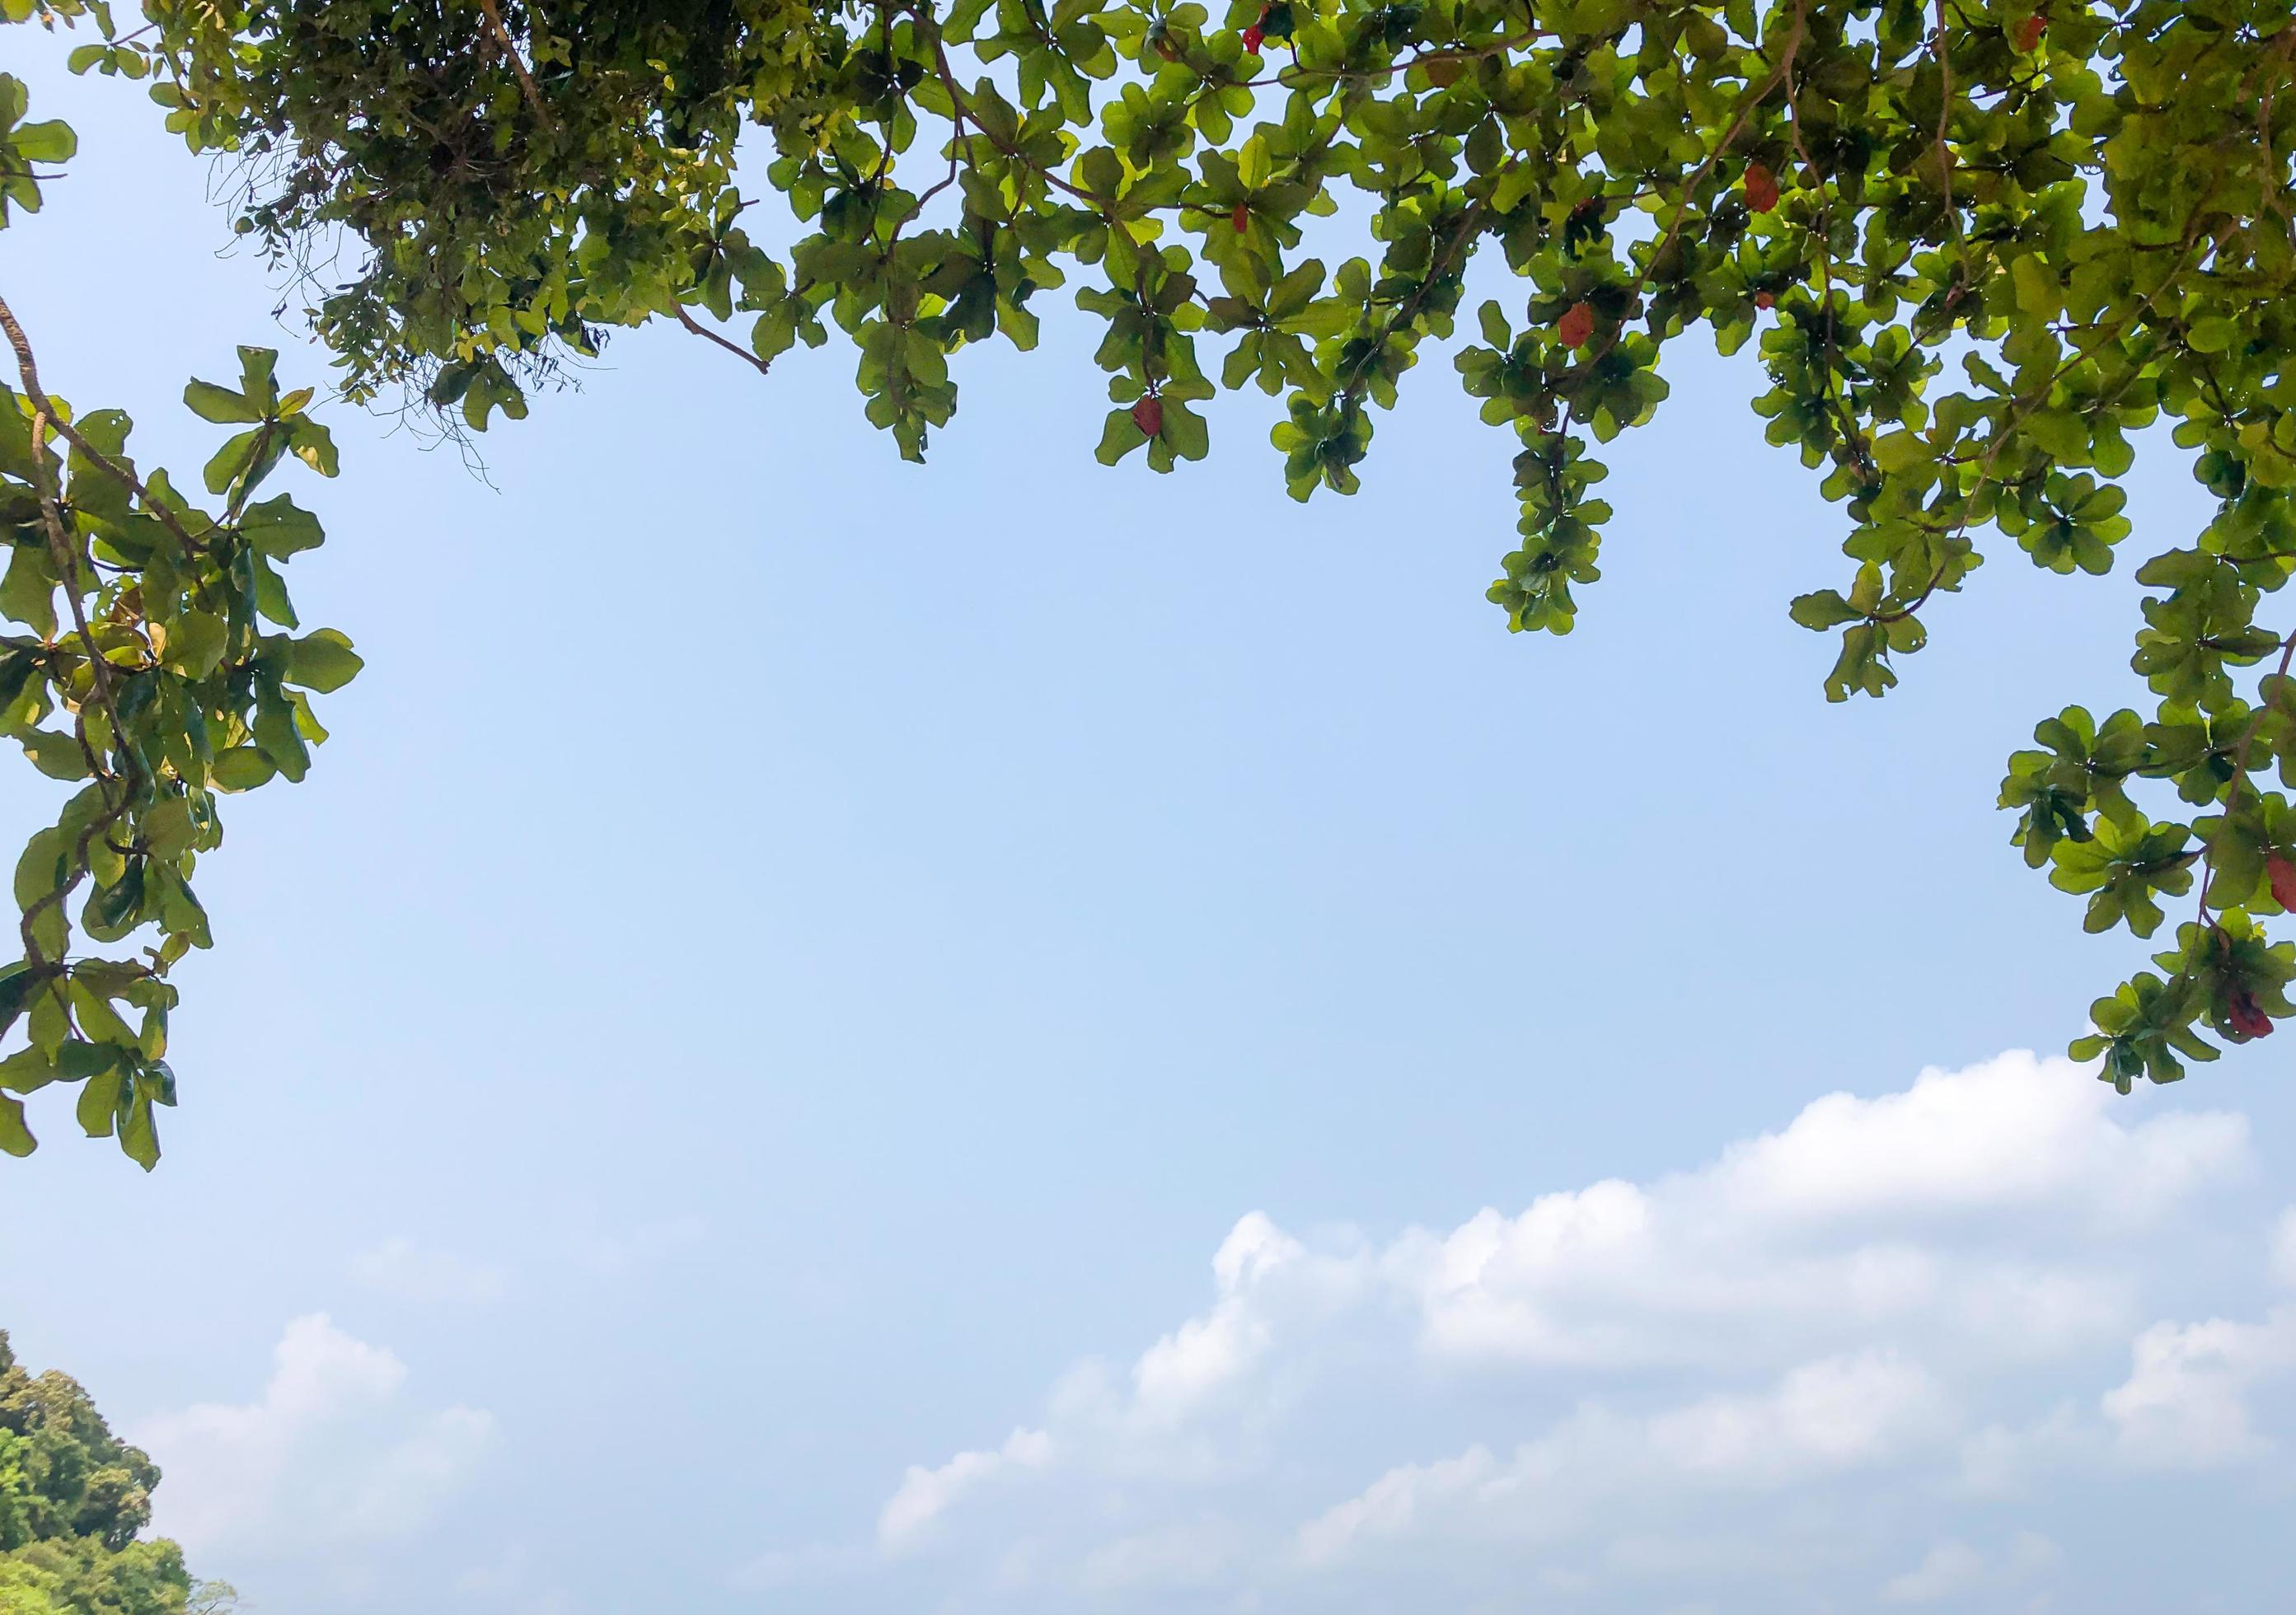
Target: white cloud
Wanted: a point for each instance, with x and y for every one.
(1922, 1296)
(777, 1569)
(1854, 1217)
(1823, 1416)
(1193, 1554)
(1999, 1462)
(325, 1455)
(2284, 1249)
(397, 1492)
(1954, 1570)
(398, 1267)
(1402, 1500)
(1948, 1570)
(926, 1493)
(1820, 1419)
(2014, 1131)
(1181, 1371)
(2185, 1403)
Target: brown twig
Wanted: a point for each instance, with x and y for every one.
(946, 73)
(1408, 309)
(1944, 152)
(518, 65)
(1822, 230)
(2283, 43)
(99, 673)
(30, 373)
(736, 348)
(1292, 77)
(2018, 417)
(1698, 177)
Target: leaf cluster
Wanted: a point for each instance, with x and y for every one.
(150, 659)
(72, 1499)
(1973, 248)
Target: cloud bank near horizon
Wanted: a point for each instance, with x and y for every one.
(327, 1458)
(1864, 1354)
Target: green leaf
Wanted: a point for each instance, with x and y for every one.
(195, 644)
(242, 769)
(15, 1138)
(28, 1070)
(323, 660)
(57, 756)
(277, 735)
(17, 981)
(315, 446)
(2212, 333)
(1899, 451)
(115, 909)
(99, 1099)
(278, 528)
(139, 1139)
(256, 382)
(1119, 437)
(236, 458)
(2037, 292)
(50, 142)
(220, 405)
(1825, 609)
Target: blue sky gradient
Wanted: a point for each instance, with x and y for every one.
(790, 954)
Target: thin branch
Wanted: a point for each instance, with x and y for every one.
(1822, 232)
(1408, 309)
(708, 335)
(1292, 76)
(518, 65)
(1945, 115)
(29, 370)
(947, 75)
(1752, 99)
(2018, 417)
(99, 673)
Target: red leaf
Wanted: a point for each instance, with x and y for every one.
(1765, 299)
(2282, 874)
(1241, 217)
(1252, 37)
(1761, 188)
(1576, 326)
(2246, 1018)
(1148, 414)
(2029, 31)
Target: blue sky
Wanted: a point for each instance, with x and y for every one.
(1008, 1035)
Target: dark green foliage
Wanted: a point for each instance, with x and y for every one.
(76, 1576)
(72, 1497)
(508, 207)
(1970, 249)
(152, 664)
(174, 679)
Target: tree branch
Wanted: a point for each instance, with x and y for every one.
(708, 335)
(29, 370)
(518, 65)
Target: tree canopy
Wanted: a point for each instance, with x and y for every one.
(1971, 250)
(72, 1498)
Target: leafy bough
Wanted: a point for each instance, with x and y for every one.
(1973, 248)
(170, 677)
